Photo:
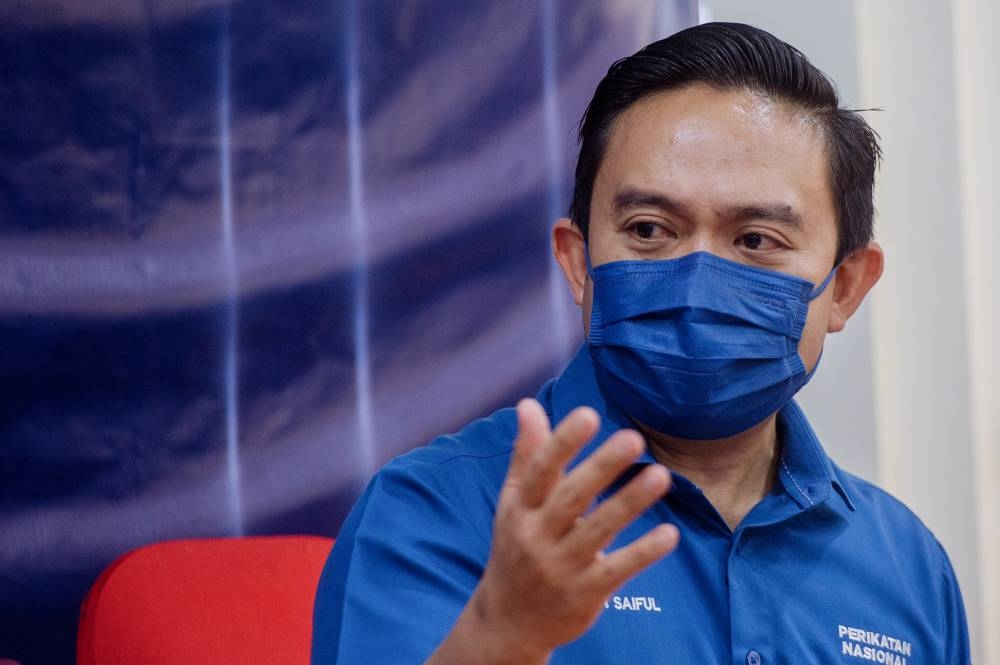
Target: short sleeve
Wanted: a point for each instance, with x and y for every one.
(955, 629)
(404, 565)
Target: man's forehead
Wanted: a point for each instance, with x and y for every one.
(701, 146)
(696, 114)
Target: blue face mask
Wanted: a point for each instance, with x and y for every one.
(698, 347)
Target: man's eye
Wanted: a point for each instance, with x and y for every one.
(645, 230)
(757, 241)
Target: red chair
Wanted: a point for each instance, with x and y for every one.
(245, 601)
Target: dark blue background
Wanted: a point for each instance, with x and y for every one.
(356, 324)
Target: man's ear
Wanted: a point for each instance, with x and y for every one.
(856, 276)
(569, 250)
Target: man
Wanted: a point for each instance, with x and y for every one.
(721, 225)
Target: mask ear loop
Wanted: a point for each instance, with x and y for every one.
(818, 291)
(595, 334)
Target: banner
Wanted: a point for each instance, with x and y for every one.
(251, 250)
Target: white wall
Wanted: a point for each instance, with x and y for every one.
(977, 53)
(906, 395)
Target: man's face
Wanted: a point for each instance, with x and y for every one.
(730, 173)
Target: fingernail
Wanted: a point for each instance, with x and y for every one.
(653, 478)
(627, 446)
(585, 416)
(668, 533)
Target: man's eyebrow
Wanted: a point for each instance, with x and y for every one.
(631, 198)
(774, 212)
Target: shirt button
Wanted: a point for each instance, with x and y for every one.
(753, 658)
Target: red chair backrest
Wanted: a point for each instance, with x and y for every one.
(218, 600)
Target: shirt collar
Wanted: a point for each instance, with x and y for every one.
(577, 386)
(806, 472)
(805, 469)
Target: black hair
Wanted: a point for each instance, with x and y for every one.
(733, 56)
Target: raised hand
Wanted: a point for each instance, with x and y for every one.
(548, 576)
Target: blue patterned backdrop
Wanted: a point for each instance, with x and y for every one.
(250, 250)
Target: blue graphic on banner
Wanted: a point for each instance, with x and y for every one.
(251, 250)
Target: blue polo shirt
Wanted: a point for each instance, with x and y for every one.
(825, 569)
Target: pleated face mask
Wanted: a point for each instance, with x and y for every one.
(698, 347)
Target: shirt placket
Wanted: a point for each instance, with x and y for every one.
(750, 605)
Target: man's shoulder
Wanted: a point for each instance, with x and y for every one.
(481, 448)
(453, 482)
(878, 509)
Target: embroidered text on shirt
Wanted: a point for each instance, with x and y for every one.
(873, 646)
(634, 603)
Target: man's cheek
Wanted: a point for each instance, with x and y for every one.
(814, 333)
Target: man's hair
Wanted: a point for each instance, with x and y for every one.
(733, 56)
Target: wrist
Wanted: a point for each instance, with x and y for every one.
(479, 637)
(500, 641)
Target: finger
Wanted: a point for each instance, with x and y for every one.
(609, 572)
(576, 492)
(596, 531)
(532, 432)
(546, 466)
